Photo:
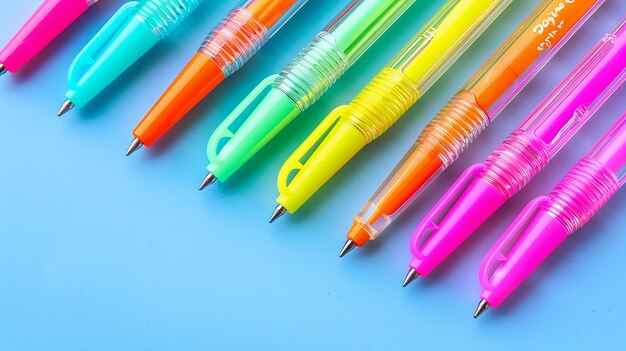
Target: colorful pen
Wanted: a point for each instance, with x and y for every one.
(48, 21)
(398, 86)
(129, 34)
(492, 87)
(546, 221)
(483, 188)
(226, 49)
(309, 75)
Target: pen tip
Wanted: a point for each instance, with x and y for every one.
(347, 247)
(278, 212)
(67, 105)
(483, 305)
(3, 69)
(208, 180)
(135, 145)
(410, 277)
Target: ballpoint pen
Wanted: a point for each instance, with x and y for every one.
(301, 83)
(226, 49)
(546, 221)
(49, 20)
(348, 128)
(128, 35)
(469, 112)
(483, 188)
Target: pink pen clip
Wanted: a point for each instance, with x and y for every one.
(426, 247)
(47, 22)
(548, 220)
(524, 245)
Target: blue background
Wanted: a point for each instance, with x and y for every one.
(103, 252)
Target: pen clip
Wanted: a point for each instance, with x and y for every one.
(430, 224)
(90, 53)
(225, 130)
(502, 249)
(298, 160)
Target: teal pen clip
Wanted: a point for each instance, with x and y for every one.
(134, 29)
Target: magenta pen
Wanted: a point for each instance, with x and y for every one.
(46, 23)
(546, 221)
(484, 187)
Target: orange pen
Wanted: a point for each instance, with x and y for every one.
(470, 111)
(226, 49)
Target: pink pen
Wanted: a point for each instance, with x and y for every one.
(483, 188)
(48, 21)
(548, 220)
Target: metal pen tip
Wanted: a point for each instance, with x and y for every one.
(347, 247)
(278, 212)
(67, 105)
(208, 180)
(3, 69)
(483, 305)
(135, 145)
(410, 277)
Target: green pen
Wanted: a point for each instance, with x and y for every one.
(313, 71)
(134, 29)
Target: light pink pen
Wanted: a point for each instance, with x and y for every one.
(483, 188)
(548, 220)
(48, 21)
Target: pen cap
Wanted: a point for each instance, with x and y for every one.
(522, 247)
(592, 181)
(581, 93)
(245, 29)
(444, 38)
(362, 22)
(526, 51)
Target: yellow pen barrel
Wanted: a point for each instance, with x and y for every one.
(342, 134)
(385, 99)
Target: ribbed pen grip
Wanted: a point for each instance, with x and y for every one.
(515, 162)
(454, 128)
(382, 102)
(91, 2)
(162, 16)
(314, 70)
(582, 193)
(234, 41)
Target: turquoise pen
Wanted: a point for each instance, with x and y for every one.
(129, 34)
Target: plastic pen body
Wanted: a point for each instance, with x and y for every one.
(49, 20)
(128, 35)
(469, 112)
(384, 100)
(226, 49)
(483, 188)
(547, 221)
(307, 77)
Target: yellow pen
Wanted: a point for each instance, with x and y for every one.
(348, 128)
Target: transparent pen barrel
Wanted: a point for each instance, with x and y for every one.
(381, 103)
(234, 41)
(91, 2)
(515, 162)
(582, 193)
(454, 127)
(314, 70)
(162, 16)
